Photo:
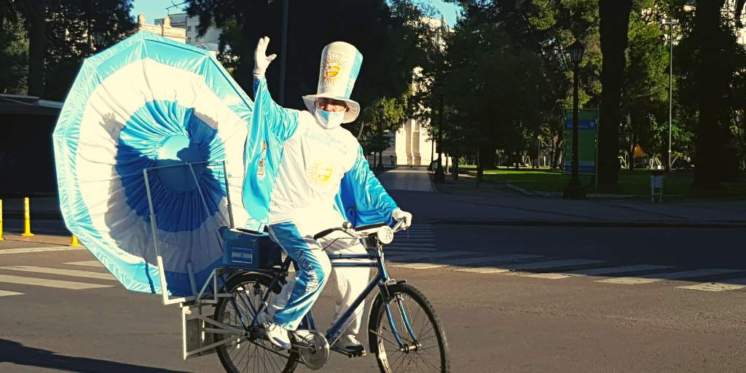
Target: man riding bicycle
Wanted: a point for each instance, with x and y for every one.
(307, 174)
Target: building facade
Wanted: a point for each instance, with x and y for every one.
(210, 40)
(164, 28)
(184, 29)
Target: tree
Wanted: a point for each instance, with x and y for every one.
(378, 28)
(77, 29)
(61, 33)
(379, 121)
(715, 131)
(614, 25)
(34, 13)
(645, 93)
(13, 56)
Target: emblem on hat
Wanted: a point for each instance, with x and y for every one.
(338, 71)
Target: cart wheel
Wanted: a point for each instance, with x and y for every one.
(248, 353)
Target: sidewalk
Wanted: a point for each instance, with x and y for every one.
(463, 203)
(415, 179)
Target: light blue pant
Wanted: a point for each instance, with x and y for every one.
(313, 268)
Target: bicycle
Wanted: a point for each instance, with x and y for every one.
(404, 332)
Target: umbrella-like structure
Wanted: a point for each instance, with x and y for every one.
(149, 103)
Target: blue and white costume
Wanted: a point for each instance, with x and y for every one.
(303, 177)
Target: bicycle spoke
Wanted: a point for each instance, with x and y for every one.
(400, 360)
(391, 342)
(408, 320)
(425, 361)
(244, 353)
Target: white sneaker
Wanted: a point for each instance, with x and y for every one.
(277, 335)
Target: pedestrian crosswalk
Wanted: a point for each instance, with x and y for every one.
(419, 252)
(68, 276)
(416, 250)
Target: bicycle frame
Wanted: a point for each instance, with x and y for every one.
(380, 280)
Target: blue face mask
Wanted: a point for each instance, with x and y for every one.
(329, 119)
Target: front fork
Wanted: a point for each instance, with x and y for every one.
(399, 305)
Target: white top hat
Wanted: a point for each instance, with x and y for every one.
(340, 65)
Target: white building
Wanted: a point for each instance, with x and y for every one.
(181, 28)
(164, 28)
(210, 40)
(412, 144)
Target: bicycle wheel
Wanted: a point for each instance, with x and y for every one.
(249, 352)
(423, 346)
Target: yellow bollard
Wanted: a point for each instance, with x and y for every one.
(74, 241)
(1, 220)
(26, 218)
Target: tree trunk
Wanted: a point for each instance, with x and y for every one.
(454, 168)
(614, 25)
(486, 160)
(556, 152)
(711, 85)
(37, 32)
(632, 152)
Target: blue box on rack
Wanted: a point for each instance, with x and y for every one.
(249, 249)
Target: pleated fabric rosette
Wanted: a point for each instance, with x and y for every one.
(152, 103)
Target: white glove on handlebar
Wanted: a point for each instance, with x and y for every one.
(401, 215)
(261, 60)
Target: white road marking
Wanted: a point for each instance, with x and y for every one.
(404, 249)
(73, 285)
(419, 265)
(6, 293)
(486, 260)
(545, 276)
(734, 284)
(482, 270)
(647, 279)
(61, 272)
(619, 269)
(413, 244)
(87, 263)
(550, 264)
(434, 255)
(25, 250)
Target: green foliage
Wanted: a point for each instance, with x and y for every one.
(63, 32)
(386, 32)
(504, 78)
(645, 95)
(379, 121)
(77, 29)
(13, 56)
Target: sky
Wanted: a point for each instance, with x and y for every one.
(153, 9)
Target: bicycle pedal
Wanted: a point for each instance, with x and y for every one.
(350, 353)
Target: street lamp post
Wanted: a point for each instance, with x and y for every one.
(669, 22)
(440, 175)
(574, 189)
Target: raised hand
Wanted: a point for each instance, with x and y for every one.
(261, 60)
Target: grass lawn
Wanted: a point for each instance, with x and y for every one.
(637, 182)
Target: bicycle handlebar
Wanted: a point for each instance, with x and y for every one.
(359, 233)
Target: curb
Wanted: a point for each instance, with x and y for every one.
(45, 215)
(533, 193)
(592, 223)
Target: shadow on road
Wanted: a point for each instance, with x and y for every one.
(16, 353)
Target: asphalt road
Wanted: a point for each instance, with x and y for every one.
(513, 299)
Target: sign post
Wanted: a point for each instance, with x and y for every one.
(587, 141)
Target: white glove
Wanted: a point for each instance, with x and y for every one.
(401, 215)
(261, 60)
